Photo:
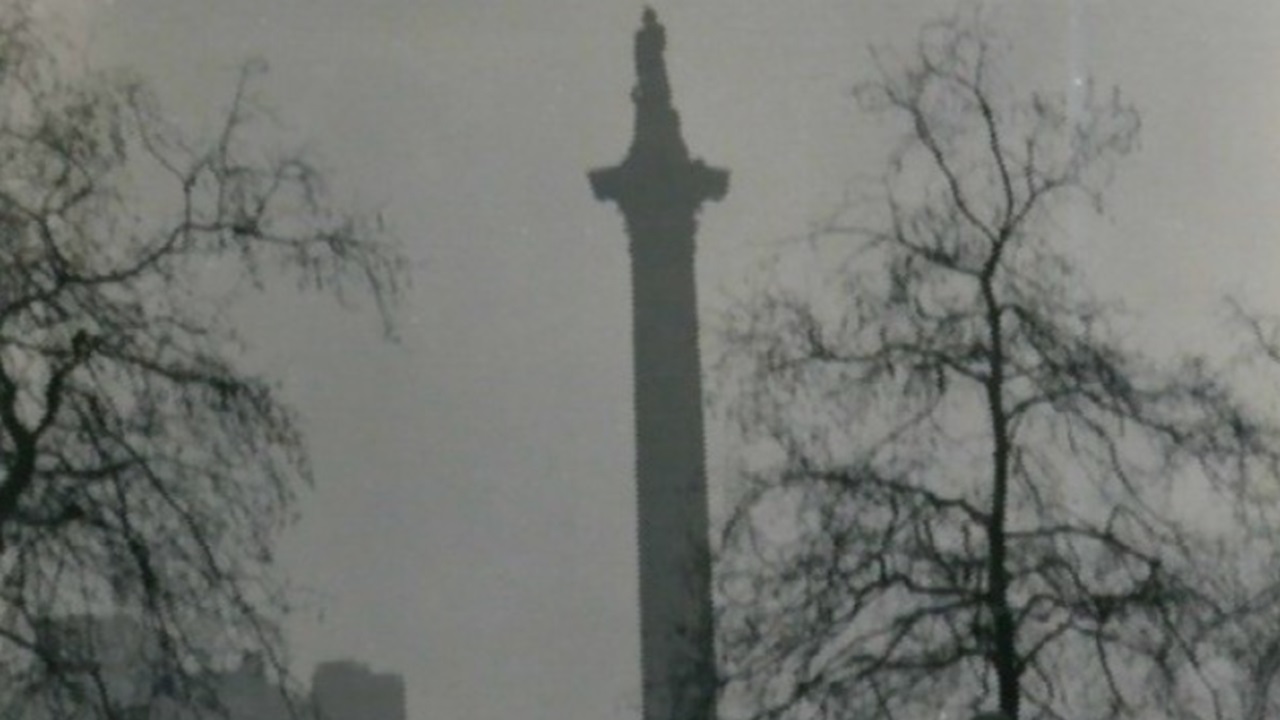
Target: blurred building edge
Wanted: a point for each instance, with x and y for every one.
(114, 648)
(340, 690)
(348, 690)
(125, 659)
(245, 693)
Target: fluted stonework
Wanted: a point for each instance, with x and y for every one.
(659, 189)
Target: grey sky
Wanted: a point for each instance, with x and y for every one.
(473, 526)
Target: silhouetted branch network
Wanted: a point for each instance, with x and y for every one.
(966, 492)
(142, 470)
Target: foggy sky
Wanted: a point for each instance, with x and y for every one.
(473, 525)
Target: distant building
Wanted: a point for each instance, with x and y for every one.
(113, 651)
(247, 693)
(340, 690)
(346, 690)
(124, 657)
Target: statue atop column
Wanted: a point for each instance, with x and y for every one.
(651, 69)
(657, 173)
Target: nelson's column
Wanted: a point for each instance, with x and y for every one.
(659, 189)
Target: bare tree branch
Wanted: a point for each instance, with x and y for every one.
(142, 469)
(972, 493)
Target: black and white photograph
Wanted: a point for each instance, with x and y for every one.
(625, 360)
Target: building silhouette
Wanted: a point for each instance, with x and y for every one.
(99, 656)
(659, 189)
(119, 653)
(348, 690)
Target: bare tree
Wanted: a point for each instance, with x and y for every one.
(1250, 640)
(967, 492)
(142, 470)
